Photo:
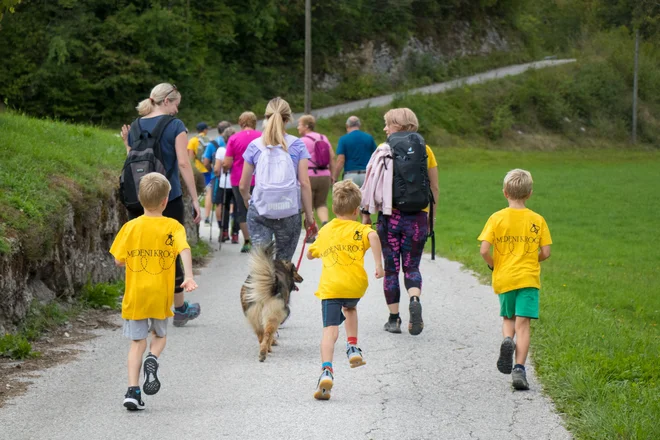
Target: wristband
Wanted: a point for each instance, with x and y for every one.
(490, 267)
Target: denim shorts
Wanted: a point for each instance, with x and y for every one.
(331, 309)
(139, 329)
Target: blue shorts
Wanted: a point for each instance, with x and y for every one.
(331, 309)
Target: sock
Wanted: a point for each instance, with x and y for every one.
(519, 366)
(394, 317)
(327, 365)
(414, 298)
(352, 340)
(182, 309)
(220, 224)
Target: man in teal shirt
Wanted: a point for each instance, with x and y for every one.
(353, 152)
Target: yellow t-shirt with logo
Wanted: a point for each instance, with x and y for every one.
(516, 236)
(430, 163)
(193, 145)
(341, 245)
(149, 247)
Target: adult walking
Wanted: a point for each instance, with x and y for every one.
(321, 166)
(164, 101)
(234, 161)
(280, 163)
(397, 186)
(353, 152)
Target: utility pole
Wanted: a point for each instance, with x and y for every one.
(308, 56)
(635, 88)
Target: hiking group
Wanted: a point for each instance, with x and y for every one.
(276, 182)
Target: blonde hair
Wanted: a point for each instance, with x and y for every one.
(247, 119)
(518, 184)
(278, 113)
(226, 134)
(157, 96)
(346, 197)
(404, 118)
(308, 121)
(154, 188)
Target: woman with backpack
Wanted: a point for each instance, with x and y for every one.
(157, 116)
(321, 166)
(279, 162)
(398, 188)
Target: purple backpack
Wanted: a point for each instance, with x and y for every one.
(320, 154)
(277, 191)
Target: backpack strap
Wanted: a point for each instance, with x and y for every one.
(157, 133)
(310, 159)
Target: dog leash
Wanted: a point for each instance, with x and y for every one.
(308, 234)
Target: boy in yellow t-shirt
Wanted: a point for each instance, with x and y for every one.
(521, 240)
(341, 244)
(148, 246)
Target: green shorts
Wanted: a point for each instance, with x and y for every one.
(520, 302)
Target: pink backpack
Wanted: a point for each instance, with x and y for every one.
(321, 153)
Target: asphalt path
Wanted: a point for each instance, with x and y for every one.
(384, 100)
(442, 384)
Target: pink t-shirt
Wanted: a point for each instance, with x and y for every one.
(236, 146)
(309, 140)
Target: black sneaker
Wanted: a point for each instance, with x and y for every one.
(393, 326)
(505, 361)
(133, 399)
(416, 323)
(519, 377)
(151, 383)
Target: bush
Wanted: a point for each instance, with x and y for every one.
(103, 294)
(16, 347)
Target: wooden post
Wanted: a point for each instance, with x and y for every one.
(308, 56)
(635, 88)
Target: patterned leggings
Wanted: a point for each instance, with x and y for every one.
(286, 231)
(402, 236)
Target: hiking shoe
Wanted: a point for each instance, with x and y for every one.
(234, 238)
(151, 383)
(246, 248)
(505, 361)
(225, 237)
(133, 399)
(324, 386)
(393, 326)
(354, 355)
(416, 324)
(519, 377)
(181, 318)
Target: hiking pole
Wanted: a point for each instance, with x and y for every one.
(432, 221)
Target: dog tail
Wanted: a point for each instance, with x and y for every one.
(262, 274)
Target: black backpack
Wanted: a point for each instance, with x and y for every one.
(411, 189)
(145, 157)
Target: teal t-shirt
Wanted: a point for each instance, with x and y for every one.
(357, 147)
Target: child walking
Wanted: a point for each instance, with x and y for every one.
(148, 246)
(341, 244)
(521, 240)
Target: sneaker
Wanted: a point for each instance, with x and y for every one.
(133, 399)
(324, 386)
(181, 318)
(393, 326)
(354, 355)
(234, 238)
(416, 324)
(207, 221)
(519, 377)
(246, 248)
(151, 383)
(225, 236)
(505, 361)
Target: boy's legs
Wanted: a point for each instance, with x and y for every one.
(135, 354)
(158, 328)
(353, 352)
(137, 332)
(332, 318)
(522, 339)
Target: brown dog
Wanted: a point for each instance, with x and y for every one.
(265, 295)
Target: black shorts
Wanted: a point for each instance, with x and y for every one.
(240, 211)
(331, 309)
(223, 196)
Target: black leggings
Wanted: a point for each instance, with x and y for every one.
(175, 210)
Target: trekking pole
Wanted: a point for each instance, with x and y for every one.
(432, 233)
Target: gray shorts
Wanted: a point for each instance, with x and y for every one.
(357, 178)
(138, 330)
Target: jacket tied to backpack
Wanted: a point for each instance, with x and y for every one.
(377, 187)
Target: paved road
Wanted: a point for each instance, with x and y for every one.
(442, 384)
(380, 101)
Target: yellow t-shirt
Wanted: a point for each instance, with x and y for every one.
(430, 163)
(149, 247)
(516, 236)
(193, 145)
(341, 245)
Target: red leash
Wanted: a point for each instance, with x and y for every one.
(308, 234)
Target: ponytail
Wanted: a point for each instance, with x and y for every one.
(157, 96)
(278, 113)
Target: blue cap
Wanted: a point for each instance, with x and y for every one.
(202, 126)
